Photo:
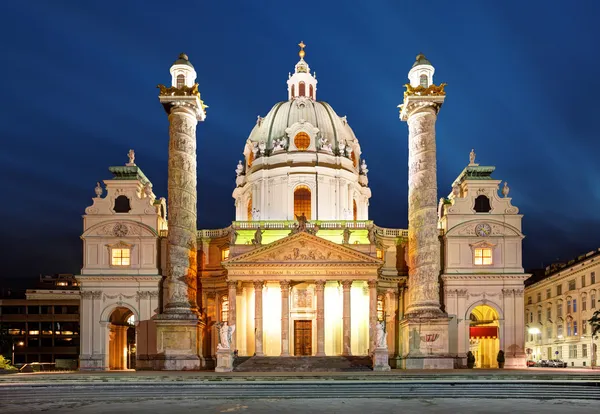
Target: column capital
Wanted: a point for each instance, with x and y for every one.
(319, 284)
(285, 284)
(232, 284)
(372, 283)
(347, 284)
(258, 284)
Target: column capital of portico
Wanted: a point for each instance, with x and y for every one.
(231, 284)
(259, 284)
(372, 283)
(285, 284)
(347, 284)
(319, 284)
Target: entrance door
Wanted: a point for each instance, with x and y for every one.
(302, 338)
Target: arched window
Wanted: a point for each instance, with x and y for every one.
(302, 201)
(354, 161)
(249, 209)
(482, 204)
(180, 81)
(311, 92)
(293, 91)
(302, 141)
(122, 204)
(354, 210)
(250, 159)
(301, 89)
(424, 81)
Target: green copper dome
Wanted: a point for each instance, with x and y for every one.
(183, 60)
(421, 60)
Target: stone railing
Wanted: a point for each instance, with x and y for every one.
(290, 224)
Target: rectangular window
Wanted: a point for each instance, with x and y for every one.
(559, 310)
(593, 278)
(568, 307)
(225, 308)
(583, 303)
(584, 328)
(559, 290)
(572, 284)
(548, 293)
(575, 328)
(549, 332)
(584, 350)
(529, 301)
(120, 257)
(558, 352)
(531, 317)
(549, 313)
(224, 254)
(539, 297)
(483, 256)
(572, 351)
(582, 280)
(574, 305)
(539, 315)
(593, 301)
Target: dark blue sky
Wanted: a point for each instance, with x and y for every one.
(79, 89)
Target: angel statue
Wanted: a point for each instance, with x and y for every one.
(225, 333)
(381, 335)
(302, 220)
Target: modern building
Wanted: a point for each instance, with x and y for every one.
(43, 326)
(558, 305)
(302, 270)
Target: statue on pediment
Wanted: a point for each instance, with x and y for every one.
(302, 220)
(257, 240)
(346, 235)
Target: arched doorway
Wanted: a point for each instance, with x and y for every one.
(484, 341)
(121, 339)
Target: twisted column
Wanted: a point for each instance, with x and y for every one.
(285, 317)
(181, 274)
(320, 291)
(258, 318)
(346, 321)
(423, 242)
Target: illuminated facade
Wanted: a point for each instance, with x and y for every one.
(302, 271)
(558, 306)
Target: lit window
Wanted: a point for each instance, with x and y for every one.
(483, 256)
(224, 254)
(423, 80)
(224, 308)
(131, 320)
(180, 81)
(120, 257)
(354, 210)
(380, 313)
(302, 141)
(302, 202)
(250, 159)
(380, 254)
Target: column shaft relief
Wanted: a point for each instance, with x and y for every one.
(181, 275)
(423, 234)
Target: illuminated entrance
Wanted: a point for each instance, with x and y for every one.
(484, 340)
(302, 338)
(121, 339)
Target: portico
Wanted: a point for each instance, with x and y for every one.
(303, 295)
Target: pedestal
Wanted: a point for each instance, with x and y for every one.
(380, 360)
(178, 344)
(224, 360)
(425, 344)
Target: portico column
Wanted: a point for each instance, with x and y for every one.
(232, 286)
(372, 313)
(258, 318)
(346, 322)
(320, 290)
(285, 317)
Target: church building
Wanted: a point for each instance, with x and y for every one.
(302, 270)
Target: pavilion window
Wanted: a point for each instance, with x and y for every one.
(122, 204)
(483, 256)
(583, 303)
(574, 305)
(120, 257)
(180, 81)
(549, 313)
(593, 301)
(569, 326)
(424, 81)
(559, 310)
(575, 328)
(302, 202)
(301, 89)
(593, 278)
(559, 331)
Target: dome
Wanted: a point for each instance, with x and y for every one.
(183, 60)
(302, 111)
(421, 60)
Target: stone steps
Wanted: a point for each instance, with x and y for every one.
(305, 364)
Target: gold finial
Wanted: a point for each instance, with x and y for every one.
(302, 46)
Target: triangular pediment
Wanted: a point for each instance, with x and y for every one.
(304, 248)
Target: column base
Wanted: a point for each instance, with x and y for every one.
(425, 343)
(429, 362)
(380, 360)
(516, 361)
(178, 343)
(92, 363)
(224, 360)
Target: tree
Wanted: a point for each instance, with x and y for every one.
(595, 322)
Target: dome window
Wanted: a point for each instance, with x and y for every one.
(249, 209)
(482, 204)
(302, 141)
(250, 159)
(354, 210)
(353, 156)
(302, 201)
(180, 81)
(301, 89)
(423, 80)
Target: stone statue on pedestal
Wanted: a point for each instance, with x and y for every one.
(301, 222)
(239, 169)
(346, 236)
(381, 337)
(472, 157)
(257, 240)
(225, 332)
(131, 155)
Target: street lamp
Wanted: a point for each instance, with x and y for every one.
(20, 343)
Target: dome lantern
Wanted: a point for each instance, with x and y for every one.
(182, 72)
(302, 83)
(421, 73)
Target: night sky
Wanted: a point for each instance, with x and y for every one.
(79, 90)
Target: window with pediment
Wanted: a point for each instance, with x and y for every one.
(119, 254)
(483, 253)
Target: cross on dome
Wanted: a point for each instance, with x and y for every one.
(302, 83)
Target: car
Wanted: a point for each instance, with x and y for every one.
(531, 363)
(557, 363)
(544, 363)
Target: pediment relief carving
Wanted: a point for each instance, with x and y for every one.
(121, 229)
(496, 229)
(304, 248)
